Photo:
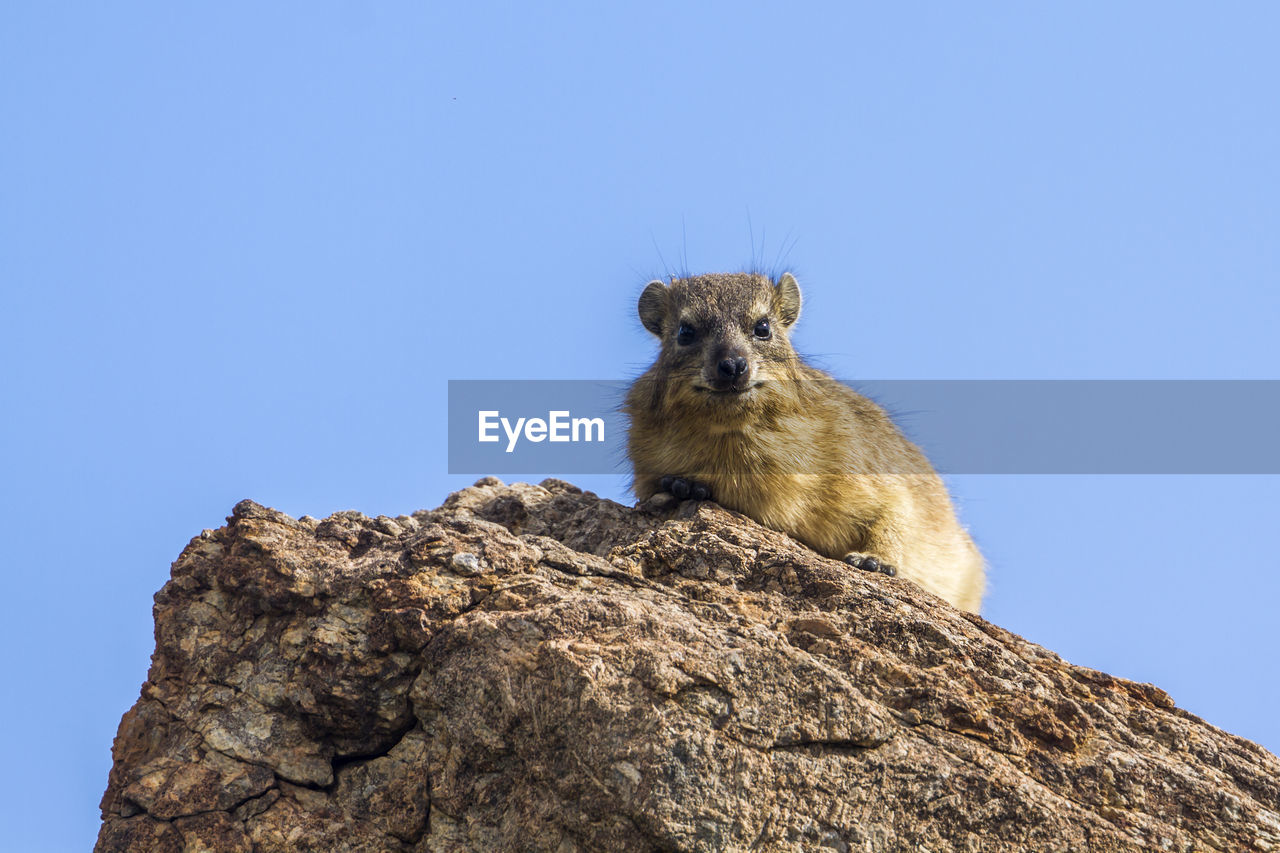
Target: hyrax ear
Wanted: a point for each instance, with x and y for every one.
(786, 300)
(653, 306)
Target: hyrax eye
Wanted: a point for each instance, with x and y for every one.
(762, 330)
(685, 335)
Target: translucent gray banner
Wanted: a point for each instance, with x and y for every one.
(526, 427)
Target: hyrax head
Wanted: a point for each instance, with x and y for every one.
(723, 335)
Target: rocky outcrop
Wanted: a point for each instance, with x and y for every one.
(533, 668)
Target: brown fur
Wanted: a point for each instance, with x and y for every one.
(796, 450)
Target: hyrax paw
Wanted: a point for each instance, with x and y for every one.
(685, 489)
(868, 563)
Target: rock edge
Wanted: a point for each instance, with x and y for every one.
(531, 667)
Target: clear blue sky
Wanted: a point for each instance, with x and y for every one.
(243, 247)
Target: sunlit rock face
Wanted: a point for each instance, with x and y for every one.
(534, 668)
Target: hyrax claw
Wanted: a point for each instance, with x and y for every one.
(868, 563)
(685, 489)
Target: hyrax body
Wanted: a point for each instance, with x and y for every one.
(729, 412)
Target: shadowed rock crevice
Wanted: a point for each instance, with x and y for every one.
(530, 667)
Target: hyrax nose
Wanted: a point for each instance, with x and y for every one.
(732, 368)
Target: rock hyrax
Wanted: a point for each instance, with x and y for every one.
(730, 413)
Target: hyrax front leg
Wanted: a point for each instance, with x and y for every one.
(685, 489)
(868, 563)
(879, 549)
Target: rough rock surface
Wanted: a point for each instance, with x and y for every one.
(533, 668)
